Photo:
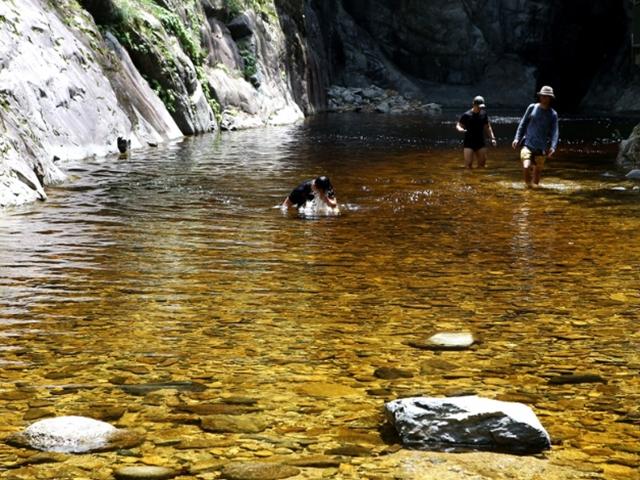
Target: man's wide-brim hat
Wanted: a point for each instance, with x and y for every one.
(547, 91)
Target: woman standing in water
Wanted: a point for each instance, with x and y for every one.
(475, 125)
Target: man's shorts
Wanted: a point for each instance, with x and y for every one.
(534, 158)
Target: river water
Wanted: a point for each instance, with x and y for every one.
(175, 266)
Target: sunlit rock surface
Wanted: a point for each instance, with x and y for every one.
(72, 435)
(150, 73)
(629, 153)
(65, 94)
(459, 423)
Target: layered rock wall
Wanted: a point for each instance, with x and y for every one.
(65, 92)
(78, 74)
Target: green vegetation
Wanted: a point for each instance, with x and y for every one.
(264, 7)
(143, 26)
(250, 62)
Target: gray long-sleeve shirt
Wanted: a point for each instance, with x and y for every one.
(538, 128)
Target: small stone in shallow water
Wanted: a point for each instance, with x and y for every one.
(327, 390)
(446, 341)
(576, 379)
(146, 388)
(144, 472)
(316, 461)
(258, 471)
(233, 424)
(350, 451)
(391, 373)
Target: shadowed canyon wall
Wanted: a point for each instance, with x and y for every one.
(450, 50)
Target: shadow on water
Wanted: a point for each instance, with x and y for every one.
(176, 266)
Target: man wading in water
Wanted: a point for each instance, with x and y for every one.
(538, 132)
(475, 125)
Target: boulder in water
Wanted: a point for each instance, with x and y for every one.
(73, 435)
(634, 174)
(467, 423)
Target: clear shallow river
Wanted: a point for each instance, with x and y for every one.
(175, 266)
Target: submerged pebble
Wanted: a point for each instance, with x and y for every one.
(144, 472)
(258, 471)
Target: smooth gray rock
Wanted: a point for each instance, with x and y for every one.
(463, 423)
(73, 434)
(634, 174)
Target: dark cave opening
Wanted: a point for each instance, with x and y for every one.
(585, 37)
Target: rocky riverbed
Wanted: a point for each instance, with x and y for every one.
(376, 99)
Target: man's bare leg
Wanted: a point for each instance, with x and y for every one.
(468, 157)
(481, 155)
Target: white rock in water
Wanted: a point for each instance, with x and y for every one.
(634, 174)
(451, 340)
(472, 422)
(69, 434)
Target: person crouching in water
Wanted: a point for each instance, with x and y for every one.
(319, 188)
(538, 134)
(475, 125)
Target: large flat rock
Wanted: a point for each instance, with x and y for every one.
(467, 423)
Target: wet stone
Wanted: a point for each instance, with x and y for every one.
(73, 435)
(575, 379)
(144, 472)
(238, 400)
(350, 451)
(379, 392)
(464, 423)
(445, 341)
(106, 413)
(36, 413)
(316, 461)
(218, 409)
(258, 471)
(146, 388)
(392, 373)
(233, 424)
(327, 390)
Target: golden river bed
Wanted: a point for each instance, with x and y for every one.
(173, 267)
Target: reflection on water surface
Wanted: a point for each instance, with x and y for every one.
(174, 266)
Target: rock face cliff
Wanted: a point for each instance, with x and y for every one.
(451, 50)
(78, 74)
